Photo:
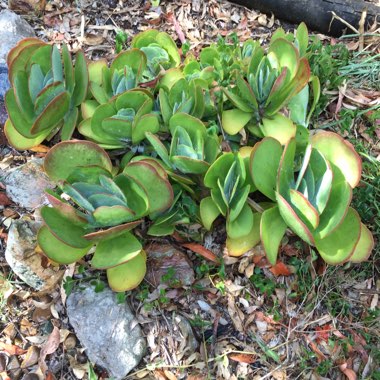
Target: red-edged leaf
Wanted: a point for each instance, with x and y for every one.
(207, 254)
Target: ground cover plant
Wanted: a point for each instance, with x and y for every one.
(226, 131)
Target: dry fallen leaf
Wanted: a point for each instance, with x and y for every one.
(281, 269)
(207, 254)
(243, 358)
(348, 372)
(49, 347)
(11, 349)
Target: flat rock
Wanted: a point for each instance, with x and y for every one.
(106, 329)
(26, 184)
(168, 265)
(12, 29)
(25, 261)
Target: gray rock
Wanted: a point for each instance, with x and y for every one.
(25, 185)
(12, 29)
(106, 329)
(25, 261)
(4, 82)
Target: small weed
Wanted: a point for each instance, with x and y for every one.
(120, 41)
(262, 283)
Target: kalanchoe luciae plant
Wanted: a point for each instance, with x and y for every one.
(160, 50)
(46, 91)
(312, 196)
(102, 210)
(193, 148)
(125, 73)
(230, 185)
(272, 80)
(122, 121)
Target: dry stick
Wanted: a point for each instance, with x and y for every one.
(361, 29)
(335, 16)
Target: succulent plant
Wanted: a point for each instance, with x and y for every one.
(230, 184)
(107, 209)
(46, 91)
(272, 80)
(312, 196)
(124, 74)
(122, 121)
(160, 50)
(193, 148)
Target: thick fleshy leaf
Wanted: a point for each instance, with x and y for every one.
(238, 202)
(129, 275)
(22, 95)
(218, 169)
(341, 153)
(52, 114)
(64, 228)
(158, 190)
(69, 124)
(56, 250)
(81, 79)
(264, 163)
(285, 175)
(304, 209)
(114, 215)
(293, 220)
(237, 247)
(272, 230)
(285, 53)
(364, 247)
(13, 53)
(112, 232)
(340, 244)
(242, 224)
(147, 123)
(208, 212)
(337, 205)
(64, 157)
(279, 127)
(159, 147)
(116, 251)
(88, 108)
(234, 120)
(189, 166)
(20, 142)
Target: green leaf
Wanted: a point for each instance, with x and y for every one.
(337, 247)
(147, 123)
(208, 212)
(337, 205)
(158, 190)
(234, 120)
(286, 54)
(64, 228)
(285, 176)
(159, 147)
(81, 79)
(279, 127)
(298, 107)
(69, 124)
(189, 165)
(22, 95)
(64, 157)
(112, 232)
(20, 142)
(56, 250)
(114, 215)
(52, 114)
(272, 230)
(304, 209)
(264, 163)
(129, 275)
(56, 64)
(341, 153)
(242, 224)
(293, 220)
(237, 247)
(116, 251)
(364, 247)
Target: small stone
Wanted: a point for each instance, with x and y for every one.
(22, 257)
(26, 184)
(12, 29)
(167, 265)
(107, 330)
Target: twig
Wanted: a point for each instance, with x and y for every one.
(335, 16)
